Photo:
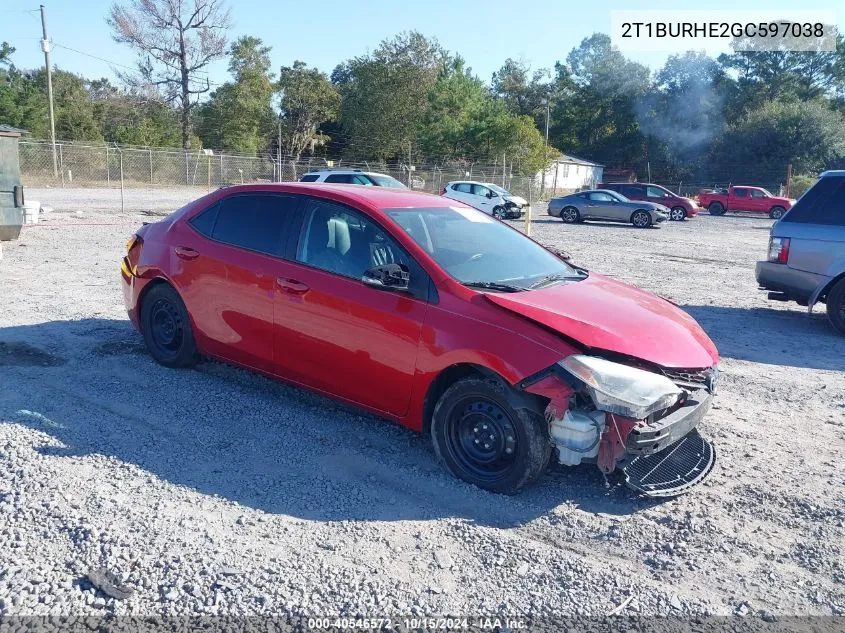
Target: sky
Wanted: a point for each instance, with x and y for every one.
(484, 32)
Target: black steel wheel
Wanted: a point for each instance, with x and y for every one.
(482, 439)
(716, 208)
(166, 327)
(836, 306)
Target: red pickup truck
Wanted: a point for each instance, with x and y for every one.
(742, 198)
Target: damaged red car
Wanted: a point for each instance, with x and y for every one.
(437, 316)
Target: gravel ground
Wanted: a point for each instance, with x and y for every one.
(214, 491)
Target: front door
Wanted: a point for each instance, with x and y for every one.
(603, 206)
(482, 200)
(337, 335)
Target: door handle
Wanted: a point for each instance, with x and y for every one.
(292, 286)
(183, 252)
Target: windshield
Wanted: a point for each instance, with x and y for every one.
(474, 248)
(386, 181)
(498, 189)
(767, 192)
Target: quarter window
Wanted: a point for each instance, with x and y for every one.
(310, 178)
(824, 203)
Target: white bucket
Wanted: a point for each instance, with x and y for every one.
(30, 212)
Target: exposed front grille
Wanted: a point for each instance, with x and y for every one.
(673, 470)
(693, 378)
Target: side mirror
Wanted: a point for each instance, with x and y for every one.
(387, 277)
(491, 195)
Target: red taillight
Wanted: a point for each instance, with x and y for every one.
(779, 250)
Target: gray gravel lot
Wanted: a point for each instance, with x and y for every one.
(214, 491)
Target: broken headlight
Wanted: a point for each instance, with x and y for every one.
(620, 389)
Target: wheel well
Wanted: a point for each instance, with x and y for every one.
(823, 294)
(158, 281)
(446, 379)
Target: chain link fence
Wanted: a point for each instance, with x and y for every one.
(81, 165)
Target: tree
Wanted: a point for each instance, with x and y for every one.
(238, 116)
(810, 136)
(597, 118)
(521, 90)
(308, 99)
(384, 95)
(6, 52)
(175, 40)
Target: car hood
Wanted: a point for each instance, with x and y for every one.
(601, 313)
(516, 200)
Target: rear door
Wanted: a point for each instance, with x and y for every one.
(815, 227)
(337, 335)
(738, 200)
(461, 191)
(633, 192)
(226, 260)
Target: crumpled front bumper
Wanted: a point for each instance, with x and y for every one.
(653, 437)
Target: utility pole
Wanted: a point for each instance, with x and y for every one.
(409, 166)
(280, 151)
(546, 150)
(45, 46)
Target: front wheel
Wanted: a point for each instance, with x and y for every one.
(641, 219)
(836, 306)
(166, 327)
(777, 213)
(716, 208)
(570, 215)
(499, 213)
(677, 214)
(480, 438)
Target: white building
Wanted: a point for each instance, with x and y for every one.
(569, 173)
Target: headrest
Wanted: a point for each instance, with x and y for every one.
(339, 235)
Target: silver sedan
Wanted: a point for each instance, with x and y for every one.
(603, 204)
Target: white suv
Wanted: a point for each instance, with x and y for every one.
(352, 177)
(487, 197)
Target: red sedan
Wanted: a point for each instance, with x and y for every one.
(432, 314)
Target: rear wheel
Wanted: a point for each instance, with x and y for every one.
(480, 438)
(677, 214)
(836, 306)
(166, 327)
(716, 208)
(641, 219)
(777, 213)
(570, 215)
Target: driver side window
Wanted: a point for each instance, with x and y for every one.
(342, 241)
(478, 190)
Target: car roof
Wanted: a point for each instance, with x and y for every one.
(832, 173)
(467, 182)
(317, 172)
(378, 197)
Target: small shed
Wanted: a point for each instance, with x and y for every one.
(11, 190)
(569, 173)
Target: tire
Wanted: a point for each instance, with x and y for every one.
(716, 208)
(677, 214)
(777, 213)
(570, 215)
(480, 438)
(836, 306)
(641, 219)
(499, 213)
(166, 327)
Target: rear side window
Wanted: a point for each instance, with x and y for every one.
(341, 179)
(741, 193)
(256, 222)
(463, 187)
(631, 191)
(309, 178)
(824, 203)
(204, 222)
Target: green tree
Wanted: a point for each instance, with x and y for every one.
(809, 136)
(308, 100)
(522, 91)
(6, 53)
(384, 95)
(238, 115)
